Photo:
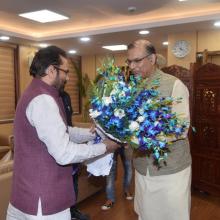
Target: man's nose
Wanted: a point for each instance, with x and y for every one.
(67, 77)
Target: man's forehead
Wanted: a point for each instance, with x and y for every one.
(136, 51)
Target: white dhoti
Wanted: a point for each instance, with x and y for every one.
(166, 197)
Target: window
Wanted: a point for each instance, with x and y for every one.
(7, 82)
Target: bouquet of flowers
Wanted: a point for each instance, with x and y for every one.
(134, 113)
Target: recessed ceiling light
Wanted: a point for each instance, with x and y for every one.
(85, 39)
(43, 45)
(182, 0)
(4, 38)
(143, 32)
(72, 51)
(217, 24)
(132, 9)
(43, 16)
(115, 47)
(165, 43)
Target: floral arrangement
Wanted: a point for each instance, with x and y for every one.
(134, 113)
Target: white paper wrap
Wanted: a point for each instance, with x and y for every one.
(101, 165)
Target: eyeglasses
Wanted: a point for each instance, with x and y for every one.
(137, 60)
(65, 71)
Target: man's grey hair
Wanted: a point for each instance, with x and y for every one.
(150, 49)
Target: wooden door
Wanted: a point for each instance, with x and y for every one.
(206, 119)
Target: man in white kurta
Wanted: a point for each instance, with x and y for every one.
(162, 194)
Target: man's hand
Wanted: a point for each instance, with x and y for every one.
(111, 146)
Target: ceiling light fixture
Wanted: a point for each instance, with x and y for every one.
(115, 47)
(85, 39)
(43, 45)
(132, 9)
(43, 16)
(165, 43)
(217, 24)
(144, 32)
(4, 38)
(182, 0)
(72, 51)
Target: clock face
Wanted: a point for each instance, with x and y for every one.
(181, 48)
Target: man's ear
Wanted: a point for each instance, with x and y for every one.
(153, 59)
(50, 71)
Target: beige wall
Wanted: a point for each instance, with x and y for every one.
(92, 62)
(199, 41)
(209, 40)
(191, 37)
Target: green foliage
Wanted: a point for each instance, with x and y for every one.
(84, 85)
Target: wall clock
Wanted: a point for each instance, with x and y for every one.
(181, 48)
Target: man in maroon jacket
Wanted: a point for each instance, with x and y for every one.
(45, 145)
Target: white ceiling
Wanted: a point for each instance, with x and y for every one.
(105, 21)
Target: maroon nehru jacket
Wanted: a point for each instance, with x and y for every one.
(36, 173)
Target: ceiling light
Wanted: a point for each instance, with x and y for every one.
(115, 47)
(165, 43)
(43, 45)
(43, 16)
(85, 39)
(72, 51)
(182, 0)
(4, 38)
(132, 9)
(217, 24)
(144, 32)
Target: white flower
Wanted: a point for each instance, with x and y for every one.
(156, 123)
(94, 114)
(140, 119)
(149, 101)
(134, 126)
(122, 83)
(107, 100)
(141, 111)
(120, 113)
(134, 140)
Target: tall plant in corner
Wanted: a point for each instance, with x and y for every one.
(84, 85)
